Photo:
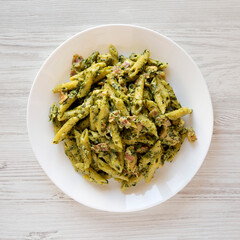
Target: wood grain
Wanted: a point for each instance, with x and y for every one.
(33, 208)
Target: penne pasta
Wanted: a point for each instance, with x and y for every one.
(119, 117)
(141, 61)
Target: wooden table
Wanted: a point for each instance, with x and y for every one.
(33, 208)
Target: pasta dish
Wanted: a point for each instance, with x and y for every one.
(119, 117)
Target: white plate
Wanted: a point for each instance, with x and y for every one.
(186, 80)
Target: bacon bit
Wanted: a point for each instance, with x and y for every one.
(146, 75)
(129, 157)
(191, 135)
(136, 82)
(142, 149)
(139, 127)
(63, 96)
(167, 123)
(113, 115)
(124, 122)
(116, 69)
(134, 172)
(153, 113)
(77, 58)
(101, 147)
(74, 58)
(111, 118)
(127, 122)
(125, 64)
(73, 72)
(163, 121)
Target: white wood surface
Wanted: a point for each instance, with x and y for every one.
(33, 208)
